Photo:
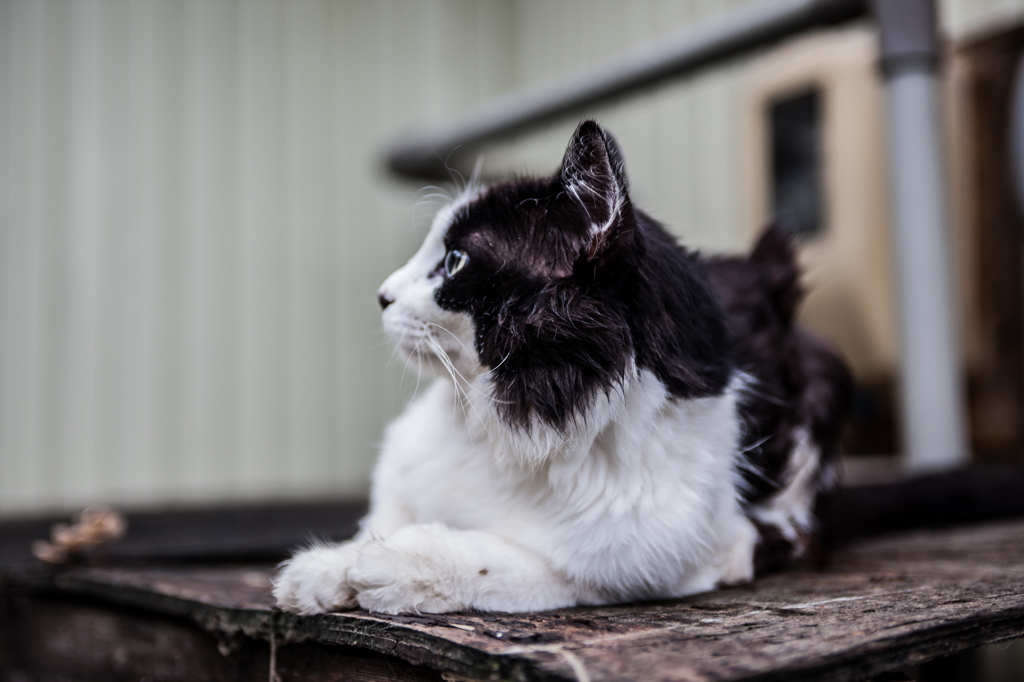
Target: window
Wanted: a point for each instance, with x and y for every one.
(796, 163)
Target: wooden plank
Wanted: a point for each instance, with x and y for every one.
(880, 605)
(79, 642)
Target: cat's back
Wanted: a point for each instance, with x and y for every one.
(799, 389)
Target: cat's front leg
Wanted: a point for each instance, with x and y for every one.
(430, 568)
(315, 580)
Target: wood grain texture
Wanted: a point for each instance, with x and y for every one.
(880, 605)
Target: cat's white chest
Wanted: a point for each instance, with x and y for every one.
(647, 500)
(432, 463)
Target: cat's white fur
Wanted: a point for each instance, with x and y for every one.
(791, 508)
(640, 500)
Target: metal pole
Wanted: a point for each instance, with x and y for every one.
(933, 405)
(1017, 135)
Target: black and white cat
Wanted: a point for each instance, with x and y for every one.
(616, 418)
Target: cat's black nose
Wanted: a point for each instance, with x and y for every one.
(384, 301)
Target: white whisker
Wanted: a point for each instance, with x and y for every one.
(467, 381)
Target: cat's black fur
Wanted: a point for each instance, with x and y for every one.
(800, 380)
(561, 312)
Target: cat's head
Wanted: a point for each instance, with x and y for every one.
(517, 284)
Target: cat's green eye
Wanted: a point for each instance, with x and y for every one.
(455, 261)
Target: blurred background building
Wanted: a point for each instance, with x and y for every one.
(195, 216)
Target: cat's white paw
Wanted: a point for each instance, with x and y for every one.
(413, 571)
(315, 580)
(736, 565)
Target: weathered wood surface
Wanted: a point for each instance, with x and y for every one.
(880, 605)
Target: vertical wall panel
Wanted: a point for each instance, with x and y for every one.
(262, 248)
(49, 284)
(209, 451)
(76, 454)
(22, 69)
(10, 381)
(172, 259)
(113, 239)
(363, 228)
(349, 464)
(134, 472)
(310, 247)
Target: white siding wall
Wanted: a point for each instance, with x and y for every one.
(193, 224)
(193, 219)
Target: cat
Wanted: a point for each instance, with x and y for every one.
(615, 418)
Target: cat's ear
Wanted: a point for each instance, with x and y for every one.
(593, 173)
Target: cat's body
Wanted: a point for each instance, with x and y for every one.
(616, 418)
